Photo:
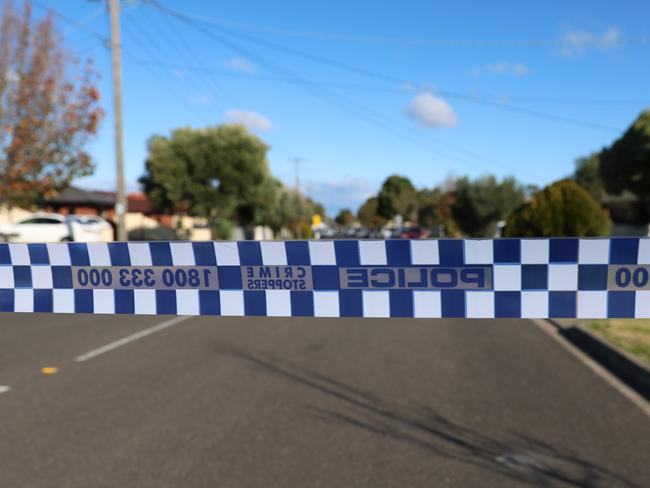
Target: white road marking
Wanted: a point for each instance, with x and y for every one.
(129, 339)
(612, 380)
(4, 389)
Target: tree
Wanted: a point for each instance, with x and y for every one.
(626, 164)
(447, 223)
(345, 217)
(427, 205)
(587, 175)
(213, 172)
(291, 211)
(368, 214)
(560, 210)
(49, 109)
(481, 203)
(397, 196)
(319, 209)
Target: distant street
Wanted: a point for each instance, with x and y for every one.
(225, 402)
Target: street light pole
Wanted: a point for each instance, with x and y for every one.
(296, 162)
(116, 58)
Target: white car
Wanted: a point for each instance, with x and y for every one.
(51, 227)
(90, 228)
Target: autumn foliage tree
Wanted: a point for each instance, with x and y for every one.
(368, 214)
(49, 108)
(344, 217)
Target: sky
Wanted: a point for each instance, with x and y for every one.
(361, 90)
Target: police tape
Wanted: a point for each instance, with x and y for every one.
(472, 278)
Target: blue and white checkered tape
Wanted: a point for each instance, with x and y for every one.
(473, 278)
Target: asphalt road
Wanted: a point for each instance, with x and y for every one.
(291, 402)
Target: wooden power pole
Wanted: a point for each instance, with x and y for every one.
(116, 58)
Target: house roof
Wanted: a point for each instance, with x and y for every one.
(139, 202)
(136, 202)
(76, 196)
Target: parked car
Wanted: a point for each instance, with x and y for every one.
(51, 227)
(414, 233)
(90, 228)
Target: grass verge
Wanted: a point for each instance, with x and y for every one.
(632, 336)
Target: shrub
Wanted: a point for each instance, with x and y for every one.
(223, 229)
(560, 210)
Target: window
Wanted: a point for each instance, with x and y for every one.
(40, 220)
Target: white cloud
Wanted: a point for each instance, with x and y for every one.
(250, 119)
(242, 65)
(431, 111)
(577, 42)
(520, 69)
(610, 38)
(497, 68)
(502, 68)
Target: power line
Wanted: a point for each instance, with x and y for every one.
(183, 47)
(532, 113)
(78, 24)
(175, 67)
(86, 19)
(391, 88)
(170, 86)
(423, 87)
(346, 105)
(386, 78)
(153, 47)
(106, 42)
(382, 76)
(411, 41)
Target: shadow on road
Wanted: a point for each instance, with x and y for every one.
(520, 457)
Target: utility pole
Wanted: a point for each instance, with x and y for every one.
(296, 162)
(116, 58)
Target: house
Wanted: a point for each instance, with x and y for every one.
(75, 200)
(626, 214)
(142, 221)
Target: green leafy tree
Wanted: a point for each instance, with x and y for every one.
(293, 212)
(481, 203)
(49, 109)
(344, 217)
(213, 172)
(626, 164)
(267, 207)
(562, 209)
(397, 196)
(286, 212)
(587, 175)
(368, 214)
